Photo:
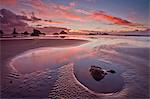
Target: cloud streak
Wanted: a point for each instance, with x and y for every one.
(70, 12)
(8, 2)
(54, 10)
(44, 13)
(10, 20)
(101, 15)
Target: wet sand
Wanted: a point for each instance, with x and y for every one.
(71, 79)
(13, 47)
(10, 48)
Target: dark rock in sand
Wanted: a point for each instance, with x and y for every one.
(98, 73)
(111, 71)
(11, 81)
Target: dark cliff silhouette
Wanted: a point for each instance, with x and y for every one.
(25, 33)
(37, 33)
(91, 34)
(1, 33)
(14, 33)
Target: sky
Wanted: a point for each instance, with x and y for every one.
(75, 15)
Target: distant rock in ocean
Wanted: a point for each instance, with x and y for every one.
(55, 33)
(14, 32)
(1, 33)
(62, 36)
(25, 33)
(36, 33)
(91, 34)
(63, 32)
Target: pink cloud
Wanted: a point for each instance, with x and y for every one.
(70, 12)
(82, 11)
(132, 15)
(8, 2)
(10, 20)
(72, 4)
(54, 10)
(47, 11)
(101, 15)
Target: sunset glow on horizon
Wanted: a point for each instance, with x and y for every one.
(75, 15)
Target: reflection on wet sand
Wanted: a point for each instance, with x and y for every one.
(53, 58)
(34, 67)
(40, 59)
(49, 67)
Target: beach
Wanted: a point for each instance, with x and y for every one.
(74, 49)
(59, 68)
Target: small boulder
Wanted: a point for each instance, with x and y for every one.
(97, 73)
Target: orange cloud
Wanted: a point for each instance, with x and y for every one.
(101, 15)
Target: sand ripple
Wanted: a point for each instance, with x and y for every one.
(67, 87)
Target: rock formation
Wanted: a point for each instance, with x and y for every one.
(98, 73)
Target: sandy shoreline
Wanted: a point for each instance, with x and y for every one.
(12, 47)
(132, 63)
